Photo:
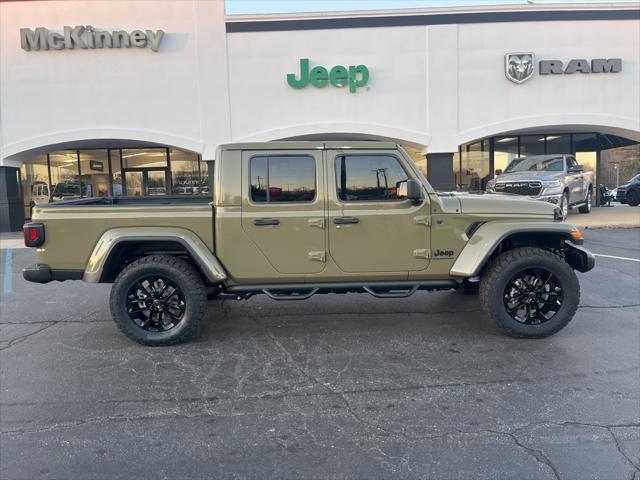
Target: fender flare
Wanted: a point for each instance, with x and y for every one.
(205, 260)
(486, 239)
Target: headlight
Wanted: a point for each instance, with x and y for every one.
(551, 183)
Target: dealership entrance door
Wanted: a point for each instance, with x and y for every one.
(142, 182)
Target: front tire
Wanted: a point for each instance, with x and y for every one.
(586, 208)
(158, 300)
(530, 292)
(633, 199)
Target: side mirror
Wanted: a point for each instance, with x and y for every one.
(410, 189)
(576, 169)
(498, 172)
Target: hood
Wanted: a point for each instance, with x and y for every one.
(529, 176)
(509, 204)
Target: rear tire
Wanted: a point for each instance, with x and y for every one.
(586, 208)
(633, 199)
(158, 300)
(547, 306)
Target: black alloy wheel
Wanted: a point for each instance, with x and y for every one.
(533, 296)
(158, 300)
(155, 303)
(529, 292)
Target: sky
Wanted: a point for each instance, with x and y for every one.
(235, 7)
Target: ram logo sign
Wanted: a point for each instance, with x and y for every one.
(519, 67)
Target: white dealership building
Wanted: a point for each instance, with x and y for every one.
(132, 98)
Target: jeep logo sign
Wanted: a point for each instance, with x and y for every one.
(86, 37)
(339, 76)
(519, 67)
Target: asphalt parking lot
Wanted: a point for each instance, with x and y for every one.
(340, 386)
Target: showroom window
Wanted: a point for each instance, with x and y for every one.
(619, 165)
(558, 144)
(144, 158)
(287, 178)
(531, 145)
(368, 177)
(185, 173)
(94, 169)
(474, 167)
(505, 150)
(65, 176)
(117, 188)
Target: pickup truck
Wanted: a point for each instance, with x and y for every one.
(557, 179)
(294, 219)
(629, 193)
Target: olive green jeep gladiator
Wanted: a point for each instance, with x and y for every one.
(294, 219)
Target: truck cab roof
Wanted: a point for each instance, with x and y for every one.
(306, 145)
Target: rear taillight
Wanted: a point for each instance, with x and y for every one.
(33, 234)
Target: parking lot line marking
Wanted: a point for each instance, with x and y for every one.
(617, 258)
(8, 272)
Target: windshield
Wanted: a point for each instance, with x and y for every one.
(535, 164)
(635, 179)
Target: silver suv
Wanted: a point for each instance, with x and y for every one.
(557, 179)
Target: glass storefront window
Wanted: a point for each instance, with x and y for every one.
(204, 178)
(65, 179)
(456, 170)
(419, 158)
(474, 171)
(144, 157)
(586, 150)
(505, 149)
(558, 144)
(531, 145)
(619, 165)
(35, 183)
(116, 173)
(185, 173)
(94, 169)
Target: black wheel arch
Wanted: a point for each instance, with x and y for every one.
(127, 251)
(556, 242)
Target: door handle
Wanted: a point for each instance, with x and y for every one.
(346, 220)
(263, 222)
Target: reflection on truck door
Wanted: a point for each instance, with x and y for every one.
(371, 227)
(283, 208)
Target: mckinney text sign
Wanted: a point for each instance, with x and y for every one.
(87, 37)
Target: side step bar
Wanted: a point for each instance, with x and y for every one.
(303, 291)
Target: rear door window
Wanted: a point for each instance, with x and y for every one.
(286, 178)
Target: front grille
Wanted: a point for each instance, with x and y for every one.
(519, 188)
(621, 194)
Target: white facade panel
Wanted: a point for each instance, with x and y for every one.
(51, 96)
(393, 103)
(434, 86)
(490, 104)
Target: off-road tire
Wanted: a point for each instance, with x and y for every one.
(586, 208)
(500, 272)
(633, 199)
(184, 275)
